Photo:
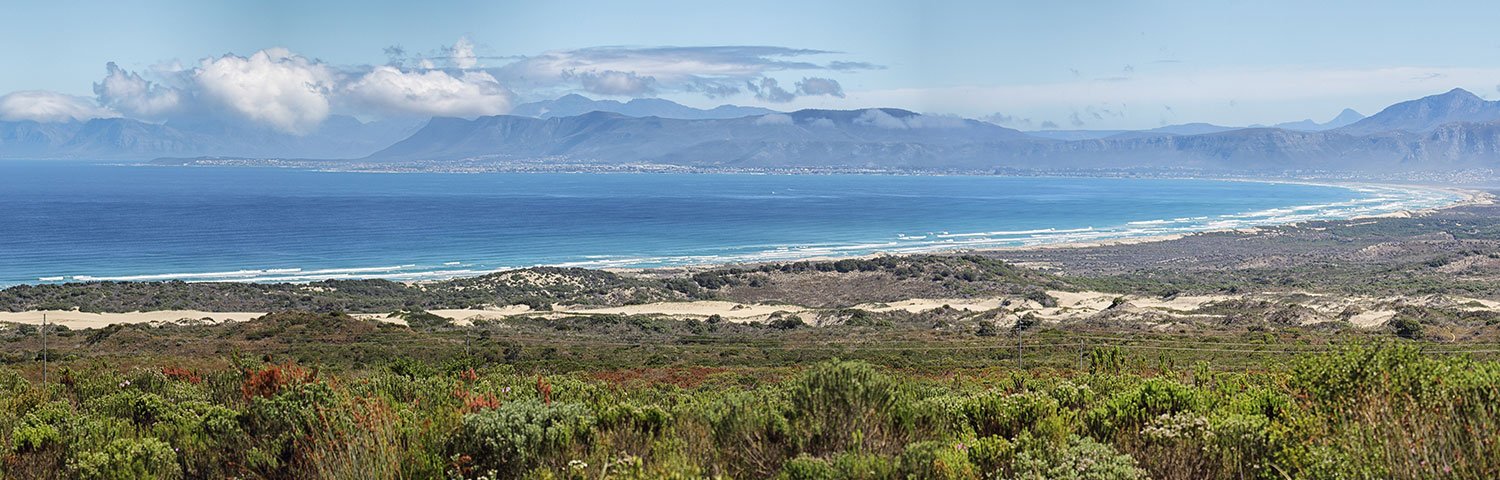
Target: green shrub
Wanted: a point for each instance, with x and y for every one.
(521, 435)
(1080, 458)
(749, 434)
(282, 423)
(649, 419)
(938, 460)
(422, 319)
(996, 414)
(839, 406)
(807, 468)
(856, 466)
(1407, 328)
(786, 323)
(1126, 412)
(143, 409)
(993, 455)
(41, 427)
(128, 458)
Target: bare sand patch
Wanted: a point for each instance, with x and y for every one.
(1372, 318)
(704, 308)
(77, 320)
(1182, 303)
(918, 305)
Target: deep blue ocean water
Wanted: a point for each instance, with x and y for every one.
(78, 221)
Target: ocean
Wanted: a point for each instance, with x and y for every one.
(74, 221)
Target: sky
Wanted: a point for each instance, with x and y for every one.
(1028, 65)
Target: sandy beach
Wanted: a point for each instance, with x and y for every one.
(1071, 305)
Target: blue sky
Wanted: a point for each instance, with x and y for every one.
(1025, 64)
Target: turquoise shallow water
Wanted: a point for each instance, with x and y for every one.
(78, 221)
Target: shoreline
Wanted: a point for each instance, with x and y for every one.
(1464, 197)
(1468, 197)
(729, 310)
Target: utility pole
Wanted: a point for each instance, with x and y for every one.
(44, 350)
(1080, 356)
(1019, 364)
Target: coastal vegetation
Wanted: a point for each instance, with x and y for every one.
(1323, 350)
(1374, 409)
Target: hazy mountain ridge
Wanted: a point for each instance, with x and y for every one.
(813, 137)
(574, 105)
(1428, 113)
(891, 138)
(1454, 130)
(1179, 129)
(123, 138)
(1346, 117)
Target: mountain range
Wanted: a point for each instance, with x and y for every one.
(574, 105)
(1453, 130)
(1345, 117)
(885, 137)
(123, 138)
(1180, 129)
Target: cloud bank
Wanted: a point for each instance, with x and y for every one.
(281, 90)
(44, 106)
(272, 87)
(714, 71)
(128, 93)
(278, 89)
(393, 92)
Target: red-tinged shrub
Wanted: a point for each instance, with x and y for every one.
(272, 379)
(475, 403)
(183, 374)
(544, 389)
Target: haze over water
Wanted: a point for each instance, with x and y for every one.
(76, 222)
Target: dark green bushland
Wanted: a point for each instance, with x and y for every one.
(1377, 411)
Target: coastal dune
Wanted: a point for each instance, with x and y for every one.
(79, 320)
(1070, 306)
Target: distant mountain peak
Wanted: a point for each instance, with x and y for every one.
(1459, 93)
(1349, 115)
(1427, 113)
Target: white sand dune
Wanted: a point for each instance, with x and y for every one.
(77, 320)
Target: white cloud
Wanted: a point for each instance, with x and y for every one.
(462, 54)
(390, 91)
(880, 119)
(770, 90)
(45, 106)
(273, 86)
(612, 82)
(935, 121)
(820, 86)
(774, 119)
(128, 93)
(714, 71)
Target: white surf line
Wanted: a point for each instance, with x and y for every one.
(1382, 200)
